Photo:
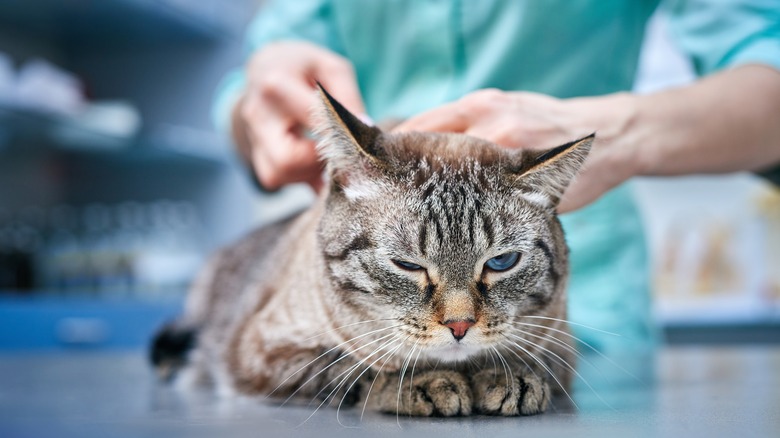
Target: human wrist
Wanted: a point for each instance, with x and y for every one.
(631, 137)
(617, 121)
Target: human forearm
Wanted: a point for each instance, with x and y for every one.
(727, 122)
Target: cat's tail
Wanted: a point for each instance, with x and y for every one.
(170, 348)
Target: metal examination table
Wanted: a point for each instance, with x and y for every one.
(680, 392)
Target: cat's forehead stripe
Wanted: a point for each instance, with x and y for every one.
(452, 210)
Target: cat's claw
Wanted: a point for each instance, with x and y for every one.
(494, 394)
(433, 393)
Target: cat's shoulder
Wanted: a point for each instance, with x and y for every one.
(261, 238)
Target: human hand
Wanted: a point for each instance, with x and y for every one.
(530, 120)
(272, 121)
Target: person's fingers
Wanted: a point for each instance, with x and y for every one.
(316, 182)
(495, 131)
(292, 100)
(447, 118)
(298, 99)
(276, 113)
(281, 156)
(260, 159)
(462, 114)
(290, 169)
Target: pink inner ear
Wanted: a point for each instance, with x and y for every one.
(342, 178)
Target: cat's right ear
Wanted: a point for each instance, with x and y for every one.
(349, 147)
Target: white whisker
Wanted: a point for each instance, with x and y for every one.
(562, 344)
(586, 344)
(401, 381)
(357, 364)
(570, 323)
(351, 325)
(550, 338)
(349, 372)
(339, 359)
(493, 358)
(325, 354)
(349, 388)
(504, 364)
(527, 365)
(544, 365)
(563, 362)
(411, 378)
(368, 393)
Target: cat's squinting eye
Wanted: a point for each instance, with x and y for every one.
(504, 262)
(407, 266)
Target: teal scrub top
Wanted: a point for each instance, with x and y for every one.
(413, 55)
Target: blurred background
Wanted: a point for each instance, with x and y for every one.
(115, 187)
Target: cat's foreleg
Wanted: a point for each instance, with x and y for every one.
(305, 375)
(443, 393)
(522, 392)
(527, 383)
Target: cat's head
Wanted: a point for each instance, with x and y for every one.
(446, 238)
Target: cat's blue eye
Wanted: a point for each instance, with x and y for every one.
(407, 265)
(503, 262)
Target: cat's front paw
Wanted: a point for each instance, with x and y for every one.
(432, 393)
(494, 394)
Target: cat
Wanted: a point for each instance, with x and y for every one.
(428, 279)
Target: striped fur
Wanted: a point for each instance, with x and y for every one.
(319, 307)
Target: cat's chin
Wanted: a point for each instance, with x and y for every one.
(453, 353)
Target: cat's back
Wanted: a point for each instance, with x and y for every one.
(221, 286)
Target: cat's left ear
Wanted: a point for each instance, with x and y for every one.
(347, 145)
(549, 172)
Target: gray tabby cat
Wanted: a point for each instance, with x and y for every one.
(429, 279)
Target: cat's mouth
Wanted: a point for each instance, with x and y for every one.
(454, 352)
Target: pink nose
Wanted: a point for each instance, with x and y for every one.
(459, 328)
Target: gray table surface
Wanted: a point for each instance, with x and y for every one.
(688, 392)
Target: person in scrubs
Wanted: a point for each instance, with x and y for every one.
(525, 74)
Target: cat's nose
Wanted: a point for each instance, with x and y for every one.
(459, 328)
